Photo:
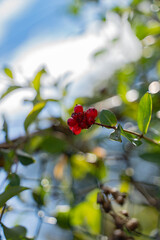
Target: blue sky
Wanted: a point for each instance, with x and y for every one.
(23, 21)
(38, 19)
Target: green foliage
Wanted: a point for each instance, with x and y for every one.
(14, 179)
(8, 72)
(33, 114)
(131, 137)
(9, 193)
(144, 113)
(15, 233)
(37, 80)
(116, 135)
(9, 90)
(107, 117)
(24, 158)
(151, 157)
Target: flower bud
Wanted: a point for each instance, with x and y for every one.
(107, 206)
(132, 224)
(100, 198)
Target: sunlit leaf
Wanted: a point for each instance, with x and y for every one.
(125, 187)
(9, 193)
(37, 80)
(87, 213)
(33, 114)
(25, 158)
(8, 72)
(107, 117)
(9, 90)
(144, 113)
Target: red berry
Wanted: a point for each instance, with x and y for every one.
(83, 124)
(71, 122)
(78, 109)
(76, 130)
(91, 112)
(74, 116)
(90, 121)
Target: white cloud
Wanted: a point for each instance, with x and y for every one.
(75, 55)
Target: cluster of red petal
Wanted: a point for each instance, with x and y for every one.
(81, 119)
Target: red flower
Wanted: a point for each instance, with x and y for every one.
(81, 119)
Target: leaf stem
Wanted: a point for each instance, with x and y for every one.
(131, 132)
(3, 210)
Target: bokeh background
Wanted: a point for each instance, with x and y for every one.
(100, 53)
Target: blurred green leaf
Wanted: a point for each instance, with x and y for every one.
(37, 80)
(8, 72)
(25, 158)
(39, 195)
(151, 157)
(52, 144)
(144, 113)
(15, 233)
(5, 128)
(9, 90)
(100, 52)
(63, 219)
(9, 193)
(14, 179)
(107, 117)
(87, 213)
(33, 114)
(116, 135)
(158, 68)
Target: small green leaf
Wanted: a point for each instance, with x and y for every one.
(14, 179)
(9, 193)
(151, 157)
(116, 135)
(5, 128)
(9, 90)
(144, 113)
(131, 137)
(25, 158)
(8, 72)
(37, 80)
(107, 117)
(33, 114)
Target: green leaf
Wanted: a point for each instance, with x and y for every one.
(144, 113)
(151, 157)
(9, 90)
(25, 158)
(116, 135)
(5, 128)
(33, 114)
(108, 118)
(37, 80)
(8, 72)
(131, 137)
(9, 193)
(15, 233)
(14, 179)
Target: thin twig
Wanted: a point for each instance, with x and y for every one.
(3, 210)
(131, 132)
